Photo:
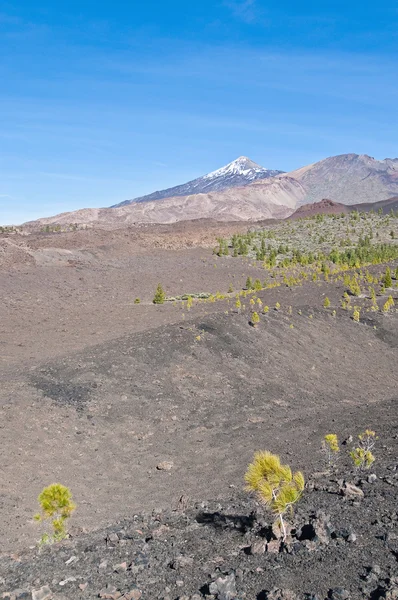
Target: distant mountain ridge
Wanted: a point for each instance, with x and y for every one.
(349, 179)
(272, 198)
(238, 173)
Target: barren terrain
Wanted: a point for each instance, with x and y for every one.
(98, 390)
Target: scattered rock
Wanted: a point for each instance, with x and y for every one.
(322, 528)
(372, 478)
(132, 595)
(182, 561)
(351, 491)
(166, 465)
(224, 588)
(274, 546)
(110, 593)
(44, 593)
(67, 580)
(258, 547)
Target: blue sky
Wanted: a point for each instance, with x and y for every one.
(103, 101)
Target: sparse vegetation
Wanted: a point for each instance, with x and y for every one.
(56, 505)
(159, 296)
(275, 485)
(362, 455)
(331, 447)
(255, 319)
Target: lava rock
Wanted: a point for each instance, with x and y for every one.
(351, 491)
(44, 593)
(224, 588)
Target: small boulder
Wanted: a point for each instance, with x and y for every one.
(165, 465)
(273, 546)
(351, 491)
(224, 588)
(44, 593)
(258, 547)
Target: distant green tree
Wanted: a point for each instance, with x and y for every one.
(160, 295)
(387, 278)
(249, 283)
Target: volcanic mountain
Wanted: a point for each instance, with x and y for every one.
(238, 173)
(273, 198)
(349, 179)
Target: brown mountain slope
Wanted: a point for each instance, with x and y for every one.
(325, 207)
(329, 207)
(349, 178)
(385, 205)
(276, 197)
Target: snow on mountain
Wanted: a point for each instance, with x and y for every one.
(241, 166)
(237, 173)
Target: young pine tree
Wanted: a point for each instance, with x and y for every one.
(362, 455)
(56, 506)
(331, 447)
(326, 302)
(255, 319)
(275, 485)
(249, 283)
(160, 295)
(387, 280)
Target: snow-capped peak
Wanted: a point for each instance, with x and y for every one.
(238, 173)
(239, 166)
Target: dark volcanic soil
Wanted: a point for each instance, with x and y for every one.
(341, 547)
(97, 391)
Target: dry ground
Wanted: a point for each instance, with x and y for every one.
(96, 390)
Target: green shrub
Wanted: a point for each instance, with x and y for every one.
(387, 280)
(56, 506)
(160, 295)
(275, 485)
(255, 319)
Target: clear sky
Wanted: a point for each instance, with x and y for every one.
(107, 100)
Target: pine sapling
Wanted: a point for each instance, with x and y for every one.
(326, 302)
(255, 319)
(330, 445)
(387, 280)
(277, 487)
(160, 295)
(362, 455)
(389, 303)
(56, 506)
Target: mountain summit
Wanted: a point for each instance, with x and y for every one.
(238, 173)
(349, 179)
